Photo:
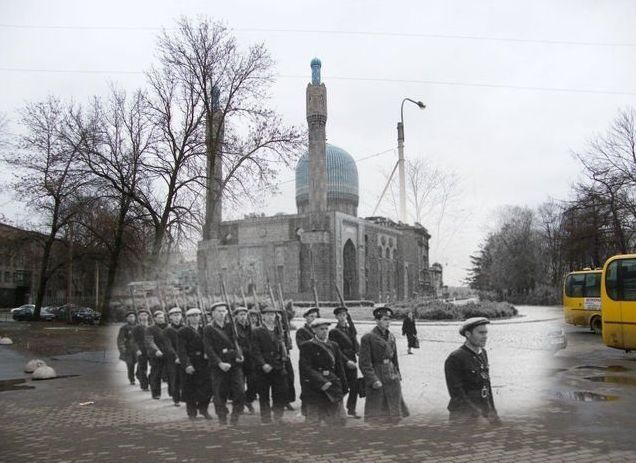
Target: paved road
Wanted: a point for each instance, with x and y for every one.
(49, 424)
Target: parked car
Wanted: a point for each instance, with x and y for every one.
(26, 314)
(85, 315)
(62, 312)
(32, 306)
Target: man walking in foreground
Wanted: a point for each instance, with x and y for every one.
(468, 377)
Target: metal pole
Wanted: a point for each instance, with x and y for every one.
(400, 130)
(96, 285)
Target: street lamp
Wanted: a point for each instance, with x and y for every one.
(400, 130)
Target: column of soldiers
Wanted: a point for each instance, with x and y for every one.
(241, 358)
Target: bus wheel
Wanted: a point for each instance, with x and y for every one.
(596, 325)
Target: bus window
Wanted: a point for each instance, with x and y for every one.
(574, 285)
(620, 280)
(592, 285)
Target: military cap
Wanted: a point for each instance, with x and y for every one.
(143, 310)
(319, 322)
(157, 313)
(269, 308)
(218, 304)
(253, 311)
(380, 312)
(471, 323)
(337, 310)
(193, 311)
(130, 312)
(239, 309)
(310, 311)
(174, 310)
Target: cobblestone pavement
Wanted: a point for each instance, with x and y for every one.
(49, 423)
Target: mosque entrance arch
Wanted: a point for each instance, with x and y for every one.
(350, 271)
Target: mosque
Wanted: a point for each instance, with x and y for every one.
(325, 242)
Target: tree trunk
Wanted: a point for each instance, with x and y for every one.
(113, 265)
(43, 280)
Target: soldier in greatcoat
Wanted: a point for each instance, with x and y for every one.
(197, 385)
(173, 369)
(126, 345)
(468, 377)
(139, 335)
(159, 351)
(323, 377)
(304, 334)
(379, 365)
(244, 330)
(345, 336)
(226, 365)
(270, 356)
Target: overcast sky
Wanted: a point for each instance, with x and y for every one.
(511, 87)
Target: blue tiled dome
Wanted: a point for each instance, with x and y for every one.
(342, 177)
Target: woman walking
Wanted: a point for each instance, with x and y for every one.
(408, 329)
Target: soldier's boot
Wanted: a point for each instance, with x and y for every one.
(223, 420)
(289, 407)
(204, 413)
(250, 408)
(234, 418)
(191, 410)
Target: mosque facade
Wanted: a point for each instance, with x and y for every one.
(325, 242)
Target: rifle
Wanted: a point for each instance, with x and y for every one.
(243, 298)
(352, 327)
(239, 351)
(283, 340)
(162, 302)
(257, 306)
(288, 340)
(313, 288)
(204, 314)
(151, 317)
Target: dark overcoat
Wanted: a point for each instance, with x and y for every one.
(379, 362)
(197, 387)
(126, 343)
(320, 363)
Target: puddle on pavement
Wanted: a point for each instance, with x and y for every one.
(613, 380)
(613, 368)
(57, 377)
(14, 385)
(584, 396)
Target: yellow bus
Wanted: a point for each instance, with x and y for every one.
(582, 299)
(618, 301)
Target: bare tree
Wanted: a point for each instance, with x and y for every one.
(609, 165)
(47, 177)
(227, 88)
(113, 137)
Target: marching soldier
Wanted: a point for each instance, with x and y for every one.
(226, 364)
(343, 335)
(254, 316)
(197, 385)
(379, 365)
(139, 335)
(126, 345)
(173, 369)
(269, 354)
(323, 377)
(159, 352)
(305, 333)
(468, 377)
(244, 330)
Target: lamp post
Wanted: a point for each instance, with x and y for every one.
(400, 130)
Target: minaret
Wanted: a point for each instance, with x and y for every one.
(316, 121)
(214, 144)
